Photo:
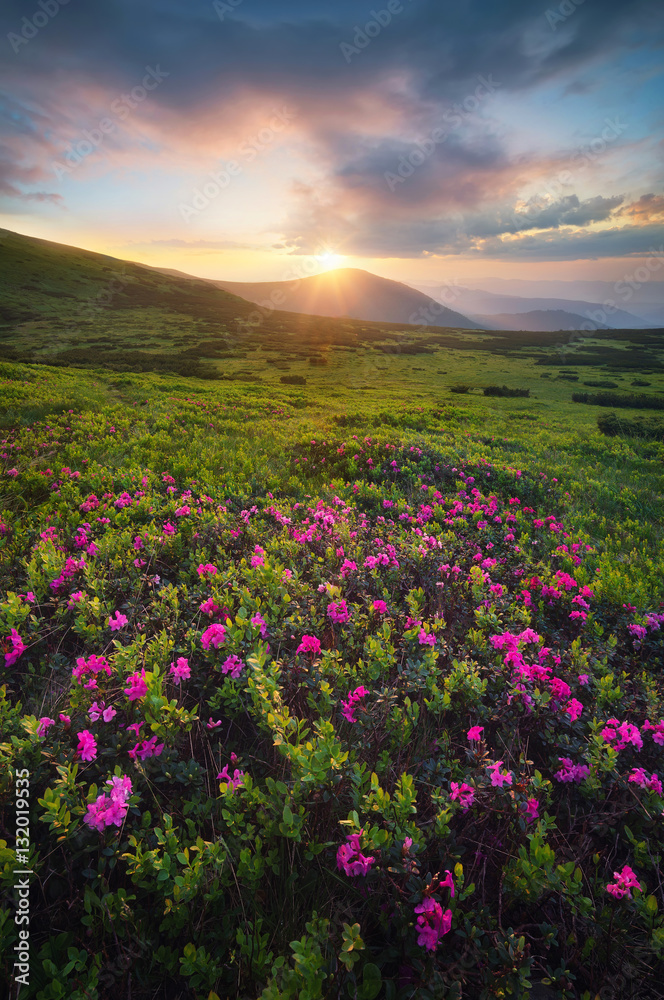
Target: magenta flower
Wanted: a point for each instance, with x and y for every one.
(498, 778)
(233, 666)
(146, 748)
(475, 733)
(462, 793)
(18, 648)
(657, 730)
(348, 707)
(87, 745)
(214, 635)
(338, 612)
(574, 708)
(380, 607)
(571, 772)
(532, 809)
(110, 808)
(44, 724)
(258, 558)
(118, 622)
(209, 607)
(235, 781)
(259, 621)
(640, 777)
(207, 569)
(624, 881)
(138, 687)
(309, 644)
(350, 858)
(181, 671)
(432, 923)
(426, 638)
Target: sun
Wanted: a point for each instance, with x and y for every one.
(330, 260)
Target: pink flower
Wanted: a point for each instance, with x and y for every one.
(207, 569)
(432, 923)
(183, 511)
(44, 724)
(65, 720)
(214, 635)
(532, 809)
(640, 777)
(475, 733)
(498, 778)
(233, 666)
(110, 808)
(99, 712)
(657, 731)
(426, 638)
(118, 622)
(213, 725)
(571, 772)
(209, 607)
(181, 671)
(138, 687)
(380, 607)
(348, 708)
(87, 745)
(350, 858)
(338, 612)
(18, 649)
(309, 644)
(584, 680)
(624, 881)
(462, 793)
(574, 709)
(235, 781)
(258, 559)
(168, 529)
(260, 622)
(146, 749)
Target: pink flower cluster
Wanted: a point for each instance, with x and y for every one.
(350, 858)
(657, 730)
(348, 707)
(110, 808)
(640, 777)
(462, 793)
(214, 635)
(18, 648)
(571, 772)
(309, 644)
(93, 665)
(235, 781)
(338, 612)
(87, 745)
(624, 881)
(233, 665)
(207, 569)
(620, 734)
(101, 712)
(118, 622)
(432, 923)
(181, 670)
(498, 777)
(146, 748)
(138, 687)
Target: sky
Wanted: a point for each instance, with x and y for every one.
(271, 139)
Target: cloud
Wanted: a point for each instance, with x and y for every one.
(648, 206)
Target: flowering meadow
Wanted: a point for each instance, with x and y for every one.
(318, 703)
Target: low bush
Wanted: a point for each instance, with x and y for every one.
(503, 390)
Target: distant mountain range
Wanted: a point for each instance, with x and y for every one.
(496, 309)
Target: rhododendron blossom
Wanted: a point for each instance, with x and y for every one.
(110, 808)
(233, 665)
(475, 733)
(350, 858)
(498, 777)
(349, 707)
(44, 724)
(18, 648)
(309, 644)
(624, 881)
(138, 687)
(87, 745)
(181, 670)
(571, 772)
(213, 636)
(118, 622)
(640, 777)
(462, 793)
(432, 923)
(338, 612)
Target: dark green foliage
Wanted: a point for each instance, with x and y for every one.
(643, 427)
(503, 390)
(632, 400)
